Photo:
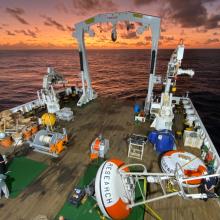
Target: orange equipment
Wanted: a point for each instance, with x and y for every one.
(34, 128)
(201, 170)
(27, 133)
(6, 142)
(99, 148)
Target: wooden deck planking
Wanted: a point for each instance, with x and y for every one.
(114, 119)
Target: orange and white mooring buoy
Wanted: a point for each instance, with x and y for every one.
(110, 191)
(189, 165)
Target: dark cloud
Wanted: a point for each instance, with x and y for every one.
(141, 43)
(84, 6)
(160, 43)
(214, 40)
(190, 13)
(163, 30)
(215, 33)
(32, 33)
(25, 45)
(1, 27)
(17, 14)
(20, 32)
(213, 22)
(105, 27)
(129, 35)
(51, 22)
(37, 30)
(167, 38)
(103, 38)
(10, 33)
(70, 28)
(27, 33)
(143, 2)
(131, 26)
(126, 25)
(121, 25)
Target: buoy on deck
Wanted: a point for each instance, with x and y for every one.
(110, 191)
(190, 166)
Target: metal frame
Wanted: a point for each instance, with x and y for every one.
(44, 148)
(132, 145)
(158, 178)
(84, 27)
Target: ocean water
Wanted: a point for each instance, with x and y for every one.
(118, 73)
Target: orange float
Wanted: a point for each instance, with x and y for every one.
(27, 133)
(34, 129)
(189, 166)
(6, 142)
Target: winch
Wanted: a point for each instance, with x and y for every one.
(49, 142)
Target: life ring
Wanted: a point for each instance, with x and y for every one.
(110, 191)
(190, 166)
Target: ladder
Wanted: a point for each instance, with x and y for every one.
(136, 146)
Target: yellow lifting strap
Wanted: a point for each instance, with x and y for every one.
(148, 208)
(102, 217)
(170, 187)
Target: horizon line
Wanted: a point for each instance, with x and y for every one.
(169, 48)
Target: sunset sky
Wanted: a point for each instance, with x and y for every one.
(27, 24)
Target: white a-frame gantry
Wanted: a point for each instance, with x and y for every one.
(83, 27)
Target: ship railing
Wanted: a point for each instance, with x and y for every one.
(182, 182)
(207, 138)
(29, 106)
(185, 195)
